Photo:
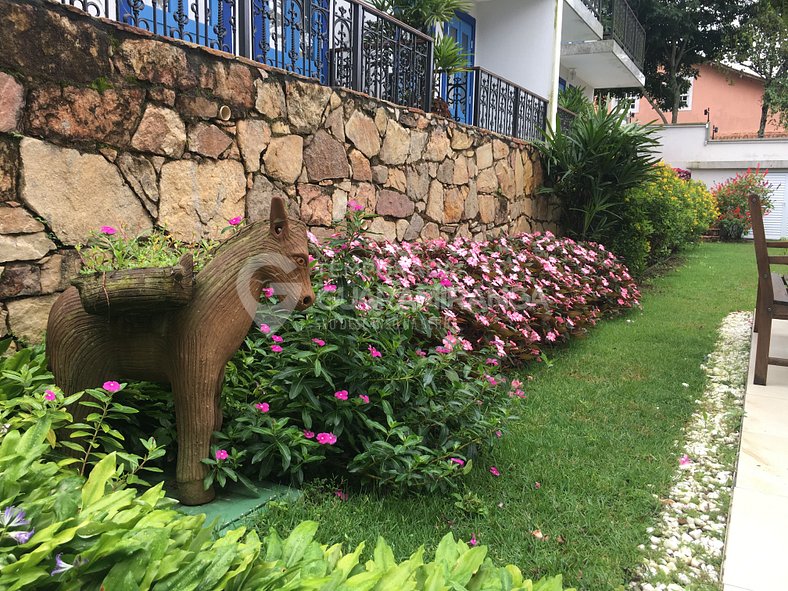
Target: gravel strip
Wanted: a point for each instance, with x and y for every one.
(685, 550)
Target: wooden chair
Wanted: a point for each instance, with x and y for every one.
(772, 301)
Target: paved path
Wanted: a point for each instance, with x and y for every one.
(756, 553)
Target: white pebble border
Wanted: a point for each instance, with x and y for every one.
(685, 549)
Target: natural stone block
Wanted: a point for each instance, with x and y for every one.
(435, 202)
(24, 247)
(339, 206)
(27, 317)
(418, 141)
(16, 220)
(154, 61)
(335, 123)
(500, 149)
(362, 131)
(19, 280)
(77, 193)
(258, 199)
(402, 227)
(12, 98)
(360, 167)
(516, 162)
(396, 180)
(380, 174)
(460, 174)
(141, 177)
(208, 140)
(58, 269)
(253, 137)
(460, 140)
(381, 230)
(381, 120)
(159, 94)
(232, 82)
(396, 145)
(484, 156)
(446, 172)
(270, 99)
(306, 102)
(84, 113)
(418, 180)
(438, 146)
(197, 106)
(365, 195)
(3, 322)
(487, 181)
(487, 208)
(452, 205)
(414, 228)
(394, 204)
(471, 206)
(198, 198)
(9, 165)
(161, 131)
(505, 176)
(325, 158)
(284, 157)
(430, 232)
(316, 205)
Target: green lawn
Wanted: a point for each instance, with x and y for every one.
(598, 432)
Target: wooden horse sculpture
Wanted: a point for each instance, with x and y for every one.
(187, 347)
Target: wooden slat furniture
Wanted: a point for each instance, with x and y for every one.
(772, 302)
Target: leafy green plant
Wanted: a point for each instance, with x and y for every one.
(573, 98)
(591, 167)
(449, 56)
(733, 201)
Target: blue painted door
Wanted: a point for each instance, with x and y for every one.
(457, 89)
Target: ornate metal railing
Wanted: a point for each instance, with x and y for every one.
(565, 118)
(481, 98)
(594, 6)
(622, 24)
(337, 42)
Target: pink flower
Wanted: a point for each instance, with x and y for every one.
(684, 460)
(498, 434)
(445, 282)
(326, 438)
(458, 461)
(268, 292)
(309, 434)
(262, 406)
(221, 454)
(355, 206)
(421, 353)
(491, 361)
(330, 287)
(341, 495)
(111, 386)
(374, 352)
(364, 398)
(341, 394)
(50, 395)
(108, 230)
(235, 221)
(494, 471)
(319, 342)
(277, 339)
(473, 541)
(537, 485)
(276, 348)
(265, 329)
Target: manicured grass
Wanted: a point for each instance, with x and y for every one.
(599, 431)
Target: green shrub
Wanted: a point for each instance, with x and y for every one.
(661, 217)
(60, 531)
(592, 166)
(733, 201)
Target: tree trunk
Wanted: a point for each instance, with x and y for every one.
(656, 108)
(674, 115)
(764, 116)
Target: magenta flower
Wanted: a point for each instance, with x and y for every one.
(537, 485)
(277, 339)
(364, 398)
(309, 434)
(498, 434)
(684, 460)
(265, 329)
(445, 282)
(319, 342)
(341, 395)
(111, 386)
(326, 438)
(276, 348)
(355, 205)
(50, 395)
(268, 292)
(341, 495)
(262, 406)
(494, 471)
(235, 221)
(458, 461)
(374, 352)
(473, 541)
(329, 287)
(108, 230)
(421, 353)
(221, 454)
(491, 361)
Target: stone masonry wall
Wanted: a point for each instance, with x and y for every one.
(101, 124)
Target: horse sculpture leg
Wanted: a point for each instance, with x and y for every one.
(195, 392)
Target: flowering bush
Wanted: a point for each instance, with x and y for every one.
(398, 363)
(733, 201)
(661, 217)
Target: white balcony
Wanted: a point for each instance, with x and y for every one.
(581, 21)
(602, 64)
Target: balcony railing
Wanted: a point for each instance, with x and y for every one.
(479, 97)
(565, 119)
(622, 25)
(337, 42)
(594, 6)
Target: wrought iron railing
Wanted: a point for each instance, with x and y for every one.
(565, 118)
(481, 98)
(594, 6)
(622, 25)
(337, 42)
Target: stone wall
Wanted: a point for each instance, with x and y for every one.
(101, 124)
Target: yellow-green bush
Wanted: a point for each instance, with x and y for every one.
(661, 217)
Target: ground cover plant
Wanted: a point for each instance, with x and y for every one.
(583, 469)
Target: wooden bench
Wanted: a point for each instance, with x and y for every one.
(772, 301)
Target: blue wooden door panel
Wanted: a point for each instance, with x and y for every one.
(458, 88)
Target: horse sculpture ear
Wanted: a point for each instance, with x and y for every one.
(279, 223)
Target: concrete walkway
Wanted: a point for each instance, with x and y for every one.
(756, 552)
